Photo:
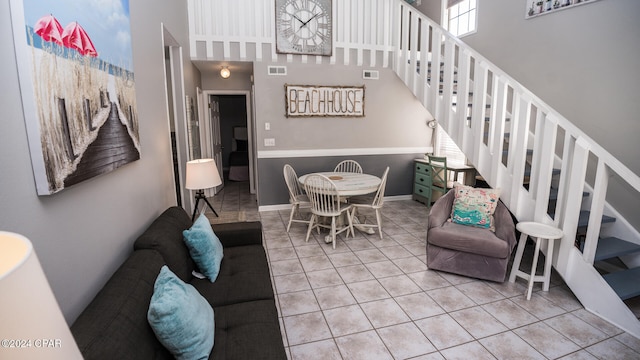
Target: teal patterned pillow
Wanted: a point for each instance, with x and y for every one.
(474, 206)
(181, 318)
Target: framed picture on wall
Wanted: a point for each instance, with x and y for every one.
(77, 86)
(543, 7)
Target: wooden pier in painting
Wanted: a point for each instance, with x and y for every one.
(112, 148)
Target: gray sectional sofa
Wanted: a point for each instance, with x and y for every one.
(115, 326)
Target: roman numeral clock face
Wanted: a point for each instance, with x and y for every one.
(303, 27)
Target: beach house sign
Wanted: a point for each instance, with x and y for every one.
(328, 101)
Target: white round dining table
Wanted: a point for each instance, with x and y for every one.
(350, 184)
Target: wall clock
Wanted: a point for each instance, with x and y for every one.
(304, 27)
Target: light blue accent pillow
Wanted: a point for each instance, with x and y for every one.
(204, 247)
(180, 317)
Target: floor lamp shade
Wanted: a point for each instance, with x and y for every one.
(202, 174)
(31, 323)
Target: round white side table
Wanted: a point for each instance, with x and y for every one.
(539, 233)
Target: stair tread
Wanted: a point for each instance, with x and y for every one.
(625, 283)
(506, 151)
(506, 136)
(455, 92)
(553, 194)
(487, 119)
(583, 220)
(613, 247)
(527, 172)
(487, 106)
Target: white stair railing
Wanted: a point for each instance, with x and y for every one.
(496, 122)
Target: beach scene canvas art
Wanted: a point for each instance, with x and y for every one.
(78, 88)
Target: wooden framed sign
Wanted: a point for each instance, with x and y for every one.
(330, 101)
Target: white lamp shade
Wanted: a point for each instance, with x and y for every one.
(32, 325)
(202, 174)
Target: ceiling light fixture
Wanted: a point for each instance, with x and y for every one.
(225, 73)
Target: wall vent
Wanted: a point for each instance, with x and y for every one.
(277, 70)
(370, 74)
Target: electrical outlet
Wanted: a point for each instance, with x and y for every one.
(267, 126)
(270, 142)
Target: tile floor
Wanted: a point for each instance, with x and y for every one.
(376, 299)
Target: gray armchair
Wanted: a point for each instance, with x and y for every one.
(467, 250)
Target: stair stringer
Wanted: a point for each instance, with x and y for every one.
(621, 228)
(581, 276)
(584, 279)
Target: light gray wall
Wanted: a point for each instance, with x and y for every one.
(237, 81)
(82, 234)
(394, 118)
(582, 61)
(431, 8)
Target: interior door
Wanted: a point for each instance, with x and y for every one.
(177, 123)
(214, 115)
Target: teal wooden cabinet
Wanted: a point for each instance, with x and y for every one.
(421, 181)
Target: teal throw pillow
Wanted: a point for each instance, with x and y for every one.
(204, 247)
(180, 317)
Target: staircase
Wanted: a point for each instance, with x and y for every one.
(487, 114)
(546, 167)
(623, 280)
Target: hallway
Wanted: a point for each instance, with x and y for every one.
(234, 203)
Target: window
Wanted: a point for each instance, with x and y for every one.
(460, 16)
(444, 146)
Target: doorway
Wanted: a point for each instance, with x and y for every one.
(234, 115)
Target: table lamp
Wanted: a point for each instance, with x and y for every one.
(31, 323)
(202, 174)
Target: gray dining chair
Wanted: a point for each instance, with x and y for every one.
(325, 202)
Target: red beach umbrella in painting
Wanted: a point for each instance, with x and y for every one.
(75, 37)
(49, 29)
